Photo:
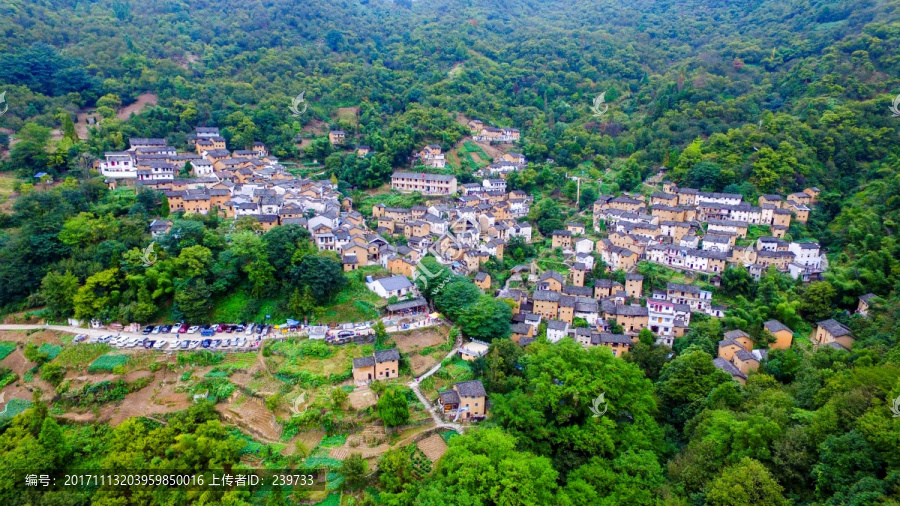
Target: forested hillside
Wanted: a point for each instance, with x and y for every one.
(752, 97)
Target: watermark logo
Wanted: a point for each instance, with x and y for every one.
(295, 105)
(745, 256)
(149, 255)
(6, 106)
(296, 405)
(895, 407)
(895, 106)
(599, 402)
(600, 106)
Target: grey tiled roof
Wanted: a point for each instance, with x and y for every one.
(728, 367)
(774, 326)
(472, 388)
(387, 355)
(363, 362)
(835, 328)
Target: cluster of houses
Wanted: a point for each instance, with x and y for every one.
(466, 400)
(233, 184)
(686, 229)
(606, 314)
(737, 355)
(464, 234)
(482, 133)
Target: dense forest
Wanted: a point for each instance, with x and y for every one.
(752, 97)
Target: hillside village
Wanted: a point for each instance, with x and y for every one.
(464, 226)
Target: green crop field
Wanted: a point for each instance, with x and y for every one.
(107, 363)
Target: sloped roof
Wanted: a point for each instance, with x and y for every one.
(472, 388)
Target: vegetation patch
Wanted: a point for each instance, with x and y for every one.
(96, 394)
(13, 408)
(107, 363)
(6, 348)
(7, 376)
(217, 389)
(200, 358)
(320, 458)
(81, 354)
(335, 440)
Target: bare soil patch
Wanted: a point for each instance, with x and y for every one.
(37, 337)
(420, 338)
(348, 114)
(433, 447)
(315, 127)
(150, 400)
(492, 151)
(362, 398)
(143, 100)
(251, 414)
(420, 364)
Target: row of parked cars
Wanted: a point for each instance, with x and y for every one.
(182, 344)
(209, 330)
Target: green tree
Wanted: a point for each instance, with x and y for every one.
(392, 407)
(354, 469)
(193, 300)
(816, 301)
(98, 295)
(53, 441)
(484, 467)
(843, 460)
(53, 373)
(747, 482)
(487, 319)
(58, 290)
(685, 382)
(632, 478)
(324, 276)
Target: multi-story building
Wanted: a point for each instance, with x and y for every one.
(428, 184)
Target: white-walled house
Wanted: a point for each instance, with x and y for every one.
(118, 164)
(394, 286)
(806, 254)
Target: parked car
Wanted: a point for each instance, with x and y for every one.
(185, 344)
(346, 333)
(194, 345)
(149, 344)
(193, 330)
(229, 329)
(176, 328)
(216, 343)
(207, 332)
(148, 329)
(183, 329)
(220, 328)
(205, 343)
(239, 328)
(161, 344)
(249, 329)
